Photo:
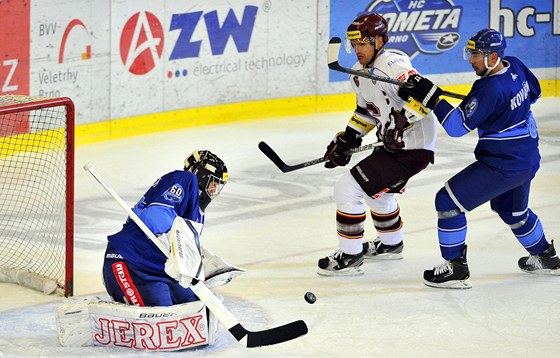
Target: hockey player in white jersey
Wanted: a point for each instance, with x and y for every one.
(373, 182)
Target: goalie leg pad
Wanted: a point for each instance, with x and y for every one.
(104, 323)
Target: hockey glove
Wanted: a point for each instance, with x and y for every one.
(335, 155)
(393, 134)
(424, 91)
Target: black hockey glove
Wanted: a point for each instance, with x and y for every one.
(335, 150)
(393, 134)
(424, 91)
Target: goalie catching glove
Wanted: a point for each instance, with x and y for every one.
(335, 154)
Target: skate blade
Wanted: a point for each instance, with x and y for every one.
(352, 271)
(544, 272)
(455, 284)
(383, 257)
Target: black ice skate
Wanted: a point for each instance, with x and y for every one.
(450, 274)
(547, 262)
(341, 264)
(376, 250)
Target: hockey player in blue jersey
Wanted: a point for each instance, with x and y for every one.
(134, 268)
(507, 159)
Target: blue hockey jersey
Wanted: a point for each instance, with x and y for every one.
(499, 106)
(174, 194)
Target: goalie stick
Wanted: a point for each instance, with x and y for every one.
(249, 338)
(332, 59)
(285, 168)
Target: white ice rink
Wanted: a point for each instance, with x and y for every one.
(277, 225)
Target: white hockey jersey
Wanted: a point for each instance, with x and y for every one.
(379, 97)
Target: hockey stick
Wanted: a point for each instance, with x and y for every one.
(271, 154)
(332, 59)
(249, 338)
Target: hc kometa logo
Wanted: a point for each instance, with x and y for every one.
(420, 26)
(142, 38)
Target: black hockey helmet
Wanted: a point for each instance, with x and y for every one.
(211, 173)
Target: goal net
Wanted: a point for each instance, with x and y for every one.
(37, 192)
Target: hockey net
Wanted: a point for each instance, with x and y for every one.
(37, 193)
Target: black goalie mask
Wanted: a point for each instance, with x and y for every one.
(211, 172)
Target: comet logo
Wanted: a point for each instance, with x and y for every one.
(73, 24)
(141, 43)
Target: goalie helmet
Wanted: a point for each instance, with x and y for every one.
(211, 173)
(367, 26)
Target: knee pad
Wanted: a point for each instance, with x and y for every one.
(514, 220)
(445, 206)
(384, 204)
(348, 195)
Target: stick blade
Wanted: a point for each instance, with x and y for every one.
(271, 154)
(277, 335)
(333, 50)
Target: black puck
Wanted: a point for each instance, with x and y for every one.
(310, 297)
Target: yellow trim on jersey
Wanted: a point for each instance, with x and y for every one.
(417, 107)
(360, 124)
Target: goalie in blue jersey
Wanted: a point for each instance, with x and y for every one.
(135, 271)
(507, 159)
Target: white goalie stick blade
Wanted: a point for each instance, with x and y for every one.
(285, 168)
(248, 338)
(332, 60)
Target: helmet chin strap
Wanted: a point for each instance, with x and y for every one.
(489, 69)
(376, 51)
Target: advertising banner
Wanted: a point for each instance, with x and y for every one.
(433, 33)
(174, 54)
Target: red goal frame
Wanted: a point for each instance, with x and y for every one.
(70, 124)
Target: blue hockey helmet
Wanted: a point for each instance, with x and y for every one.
(487, 41)
(211, 172)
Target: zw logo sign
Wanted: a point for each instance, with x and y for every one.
(141, 43)
(142, 38)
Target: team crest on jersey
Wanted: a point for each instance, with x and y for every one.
(532, 127)
(471, 107)
(174, 194)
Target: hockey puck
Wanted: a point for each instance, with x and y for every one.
(310, 297)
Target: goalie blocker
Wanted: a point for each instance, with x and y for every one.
(95, 322)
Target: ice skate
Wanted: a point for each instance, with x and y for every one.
(450, 274)
(547, 262)
(376, 250)
(341, 264)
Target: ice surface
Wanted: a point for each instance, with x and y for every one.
(277, 225)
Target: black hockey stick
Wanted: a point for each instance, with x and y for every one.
(332, 59)
(248, 338)
(271, 154)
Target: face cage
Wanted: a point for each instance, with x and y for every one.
(213, 186)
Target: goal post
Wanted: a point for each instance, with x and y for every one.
(37, 193)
